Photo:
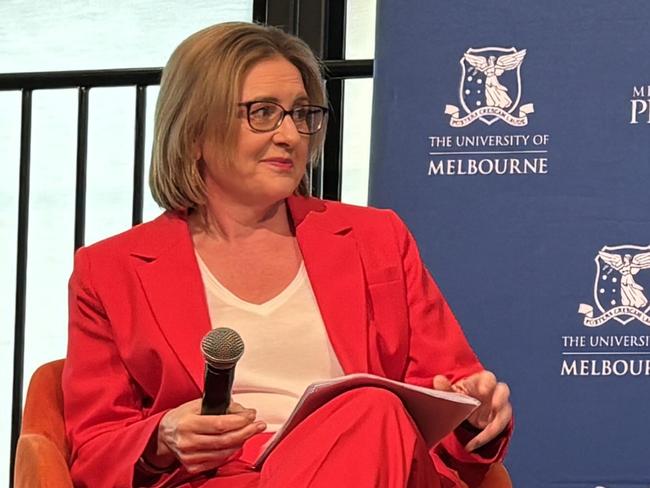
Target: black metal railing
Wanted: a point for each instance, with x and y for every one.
(328, 178)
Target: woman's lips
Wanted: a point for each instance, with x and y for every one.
(279, 163)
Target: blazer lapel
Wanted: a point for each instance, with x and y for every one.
(172, 283)
(334, 267)
(173, 286)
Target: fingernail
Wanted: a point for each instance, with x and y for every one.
(471, 447)
(260, 425)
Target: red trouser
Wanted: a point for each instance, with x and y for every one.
(362, 438)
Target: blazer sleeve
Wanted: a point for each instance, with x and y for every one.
(437, 345)
(105, 421)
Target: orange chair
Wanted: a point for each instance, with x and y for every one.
(42, 453)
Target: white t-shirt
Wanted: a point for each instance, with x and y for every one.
(286, 346)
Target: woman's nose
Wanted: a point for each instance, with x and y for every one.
(287, 132)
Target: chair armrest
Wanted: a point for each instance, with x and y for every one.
(496, 477)
(40, 464)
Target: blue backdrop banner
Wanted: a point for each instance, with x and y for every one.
(514, 139)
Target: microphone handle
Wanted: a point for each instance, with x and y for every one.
(216, 394)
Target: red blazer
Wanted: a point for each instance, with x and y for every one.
(138, 313)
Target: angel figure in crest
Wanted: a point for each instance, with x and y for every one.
(496, 94)
(628, 265)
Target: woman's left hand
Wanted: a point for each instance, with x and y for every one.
(495, 412)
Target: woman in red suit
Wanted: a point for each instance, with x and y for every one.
(316, 289)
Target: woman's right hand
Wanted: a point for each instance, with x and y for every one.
(203, 442)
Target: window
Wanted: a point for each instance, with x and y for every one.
(74, 35)
(360, 44)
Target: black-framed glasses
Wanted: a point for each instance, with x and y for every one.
(264, 116)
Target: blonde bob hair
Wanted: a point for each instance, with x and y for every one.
(199, 92)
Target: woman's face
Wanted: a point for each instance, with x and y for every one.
(267, 166)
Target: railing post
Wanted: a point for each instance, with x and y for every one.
(21, 276)
(334, 48)
(138, 156)
(82, 161)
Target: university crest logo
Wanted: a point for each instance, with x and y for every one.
(620, 286)
(490, 88)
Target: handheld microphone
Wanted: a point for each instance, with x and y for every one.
(221, 348)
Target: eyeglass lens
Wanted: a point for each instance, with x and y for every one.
(266, 116)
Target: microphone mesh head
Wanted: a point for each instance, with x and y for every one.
(222, 347)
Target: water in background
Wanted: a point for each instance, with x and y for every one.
(55, 35)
